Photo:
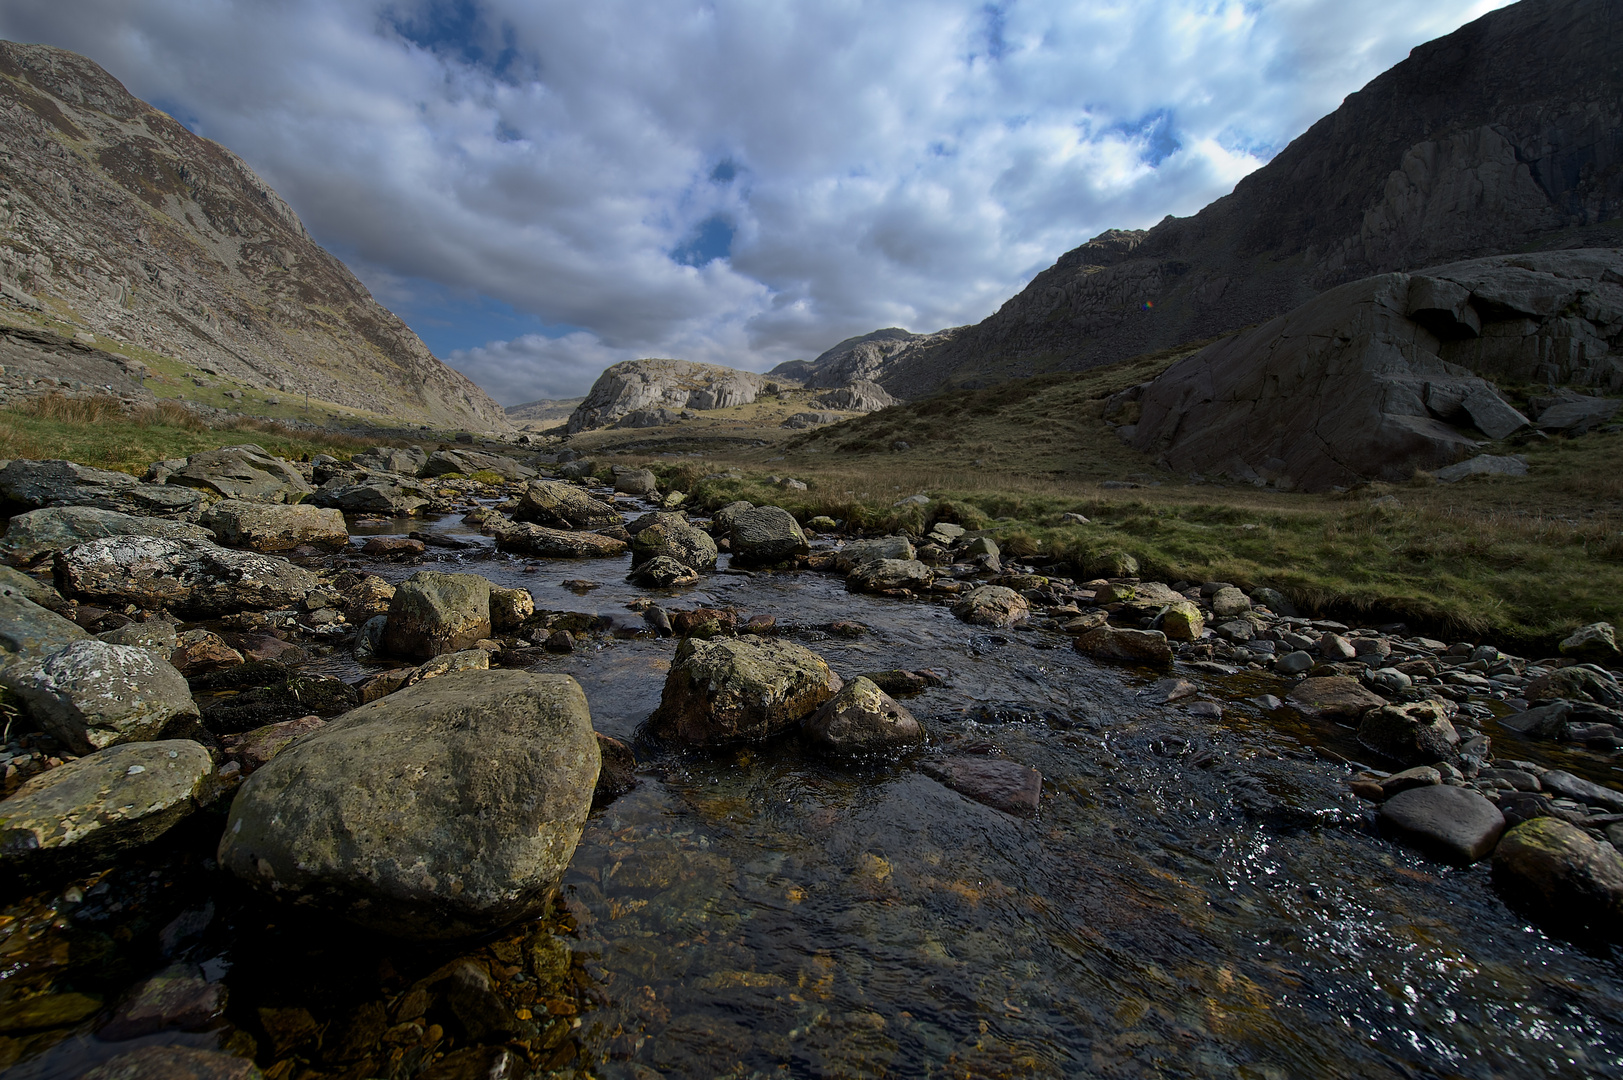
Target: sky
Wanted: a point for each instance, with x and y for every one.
(541, 189)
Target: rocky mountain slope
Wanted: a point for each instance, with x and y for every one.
(643, 393)
(1506, 135)
(858, 359)
(117, 220)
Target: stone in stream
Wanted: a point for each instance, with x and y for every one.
(1543, 722)
(635, 481)
(1576, 684)
(193, 578)
(766, 535)
(663, 572)
(433, 613)
(739, 689)
(672, 537)
(1452, 824)
(721, 522)
(858, 552)
(1561, 782)
(619, 772)
(37, 484)
(285, 699)
(563, 506)
(58, 527)
(197, 651)
(275, 527)
(509, 608)
(1003, 785)
(1333, 697)
(1131, 646)
(1597, 642)
(242, 472)
(862, 719)
(1415, 734)
(372, 493)
(177, 998)
(1562, 877)
(1181, 621)
(174, 1063)
(549, 543)
(448, 809)
(991, 605)
(92, 807)
(888, 575)
(91, 694)
(252, 749)
(365, 596)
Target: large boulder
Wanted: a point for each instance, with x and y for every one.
(740, 689)
(468, 462)
(992, 605)
(105, 802)
(432, 613)
(721, 522)
(275, 526)
(1597, 642)
(36, 484)
(766, 535)
(558, 505)
(888, 576)
(57, 527)
(193, 578)
(1452, 824)
(861, 720)
(448, 809)
(372, 493)
(1129, 646)
(404, 460)
(1415, 734)
(675, 538)
(1561, 876)
(657, 385)
(526, 539)
(247, 472)
(93, 694)
(635, 481)
(29, 631)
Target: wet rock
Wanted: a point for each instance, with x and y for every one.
(1576, 684)
(198, 651)
(289, 699)
(252, 749)
(739, 689)
(1131, 646)
(37, 484)
(560, 642)
(635, 481)
(898, 682)
(1452, 824)
(889, 575)
(673, 538)
(1088, 620)
(705, 623)
(991, 605)
(174, 1063)
(193, 578)
(1002, 785)
(177, 998)
(563, 506)
(509, 608)
(1422, 776)
(1274, 600)
(858, 552)
(1166, 691)
(475, 1063)
(657, 618)
(275, 527)
(663, 572)
(1181, 621)
(619, 772)
(447, 809)
(1414, 734)
(1562, 877)
(91, 694)
(395, 459)
(91, 807)
(1561, 782)
(479, 1012)
(1333, 697)
(59, 527)
(549, 543)
(47, 1011)
(433, 613)
(369, 638)
(766, 535)
(1544, 722)
(1596, 642)
(1295, 663)
(862, 719)
(1336, 649)
(393, 547)
(721, 522)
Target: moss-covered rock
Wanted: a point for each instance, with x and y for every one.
(433, 613)
(1562, 878)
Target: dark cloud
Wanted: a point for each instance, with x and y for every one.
(728, 181)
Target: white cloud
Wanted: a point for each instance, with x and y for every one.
(909, 163)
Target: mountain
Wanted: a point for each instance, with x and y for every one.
(1504, 136)
(119, 221)
(542, 410)
(857, 359)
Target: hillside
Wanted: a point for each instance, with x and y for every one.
(119, 223)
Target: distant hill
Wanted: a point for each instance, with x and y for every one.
(1504, 136)
(117, 220)
(542, 411)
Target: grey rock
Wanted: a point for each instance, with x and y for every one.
(1130, 646)
(58, 527)
(1484, 465)
(1543, 722)
(1565, 879)
(372, 493)
(468, 462)
(17, 583)
(177, 998)
(1333, 697)
(1597, 641)
(673, 537)
(157, 636)
(635, 482)
(509, 608)
(858, 552)
(982, 545)
(1414, 734)
(1452, 824)
(29, 631)
(1228, 602)
(721, 522)
(860, 396)
(275, 526)
(1294, 663)
(1576, 412)
(655, 385)
(563, 506)
(393, 459)
(740, 689)
(92, 694)
(885, 575)
(246, 472)
(1274, 600)
(433, 613)
(766, 535)
(1334, 647)
(547, 543)
(37, 484)
(802, 420)
(663, 572)
(860, 720)
(1561, 782)
(450, 808)
(991, 605)
(193, 578)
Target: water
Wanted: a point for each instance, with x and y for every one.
(1194, 898)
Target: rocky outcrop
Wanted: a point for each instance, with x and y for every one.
(247, 473)
(864, 359)
(645, 386)
(861, 396)
(153, 236)
(1380, 377)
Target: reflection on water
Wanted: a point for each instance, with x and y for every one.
(1193, 898)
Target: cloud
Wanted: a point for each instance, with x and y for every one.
(729, 181)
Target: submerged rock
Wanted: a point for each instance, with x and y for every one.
(433, 613)
(1003, 785)
(739, 689)
(193, 578)
(450, 808)
(862, 719)
(174, 1063)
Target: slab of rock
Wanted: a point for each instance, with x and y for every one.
(1577, 412)
(252, 749)
(862, 720)
(672, 537)
(991, 605)
(858, 552)
(558, 505)
(29, 631)
(404, 460)
(1484, 465)
(448, 809)
(433, 613)
(548, 543)
(739, 689)
(58, 527)
(193, 578)
(1003, 785)
(156, 636)
(663, 572)
(372, 493)
(1562, 877)
(36, 484)
(468, 462)
(174, 1063)
(1451, 824)
(1597, 641)
(1561, 782)
(1333, 697)
(104, 802)
(1131, 646)
(1415, 734)
(889, 575)
(766, 535)
(275, 526)
(246, 472)
(91, 694)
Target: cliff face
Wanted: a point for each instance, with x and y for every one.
(116, 218)
(640, 393)
(1506, 135)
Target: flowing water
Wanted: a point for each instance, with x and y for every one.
(1193, 898)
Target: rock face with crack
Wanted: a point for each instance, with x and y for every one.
(648, 386)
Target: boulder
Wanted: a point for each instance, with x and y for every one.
(563, 506)
(245, 472)
(1131, 646)
(1228, 602)
(1562, 877)
(193, 578)
(739, 689)
(674, 538)
(766, 535)
(468, 462)
(1181, 621)
(1577, 412)
(372, 493)
(273, 527)
(366, 598)
(105, 802)
(509, 608)
(174, 1063)
(721, 522)
(433, 613)
(619, 772)
(663, 572)
(1451, 824)
(1415, 734)
(1576, 684)
(635, 481)
(36, 484)
(860, 720)
(446, 810)
(29, 631)
(91, 694)
(1003, 785)
(547, 543)
(1561, 782)
(58, 527)
(16, 583)
(198, 651)
(1597, 642)
(156, 636)
(889, 575)
(1333, 697)
(1484, 465)
(991, 605)
(858, 552)
(176, 998)
(393, 459)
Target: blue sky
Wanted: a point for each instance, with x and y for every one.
(542, 188)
